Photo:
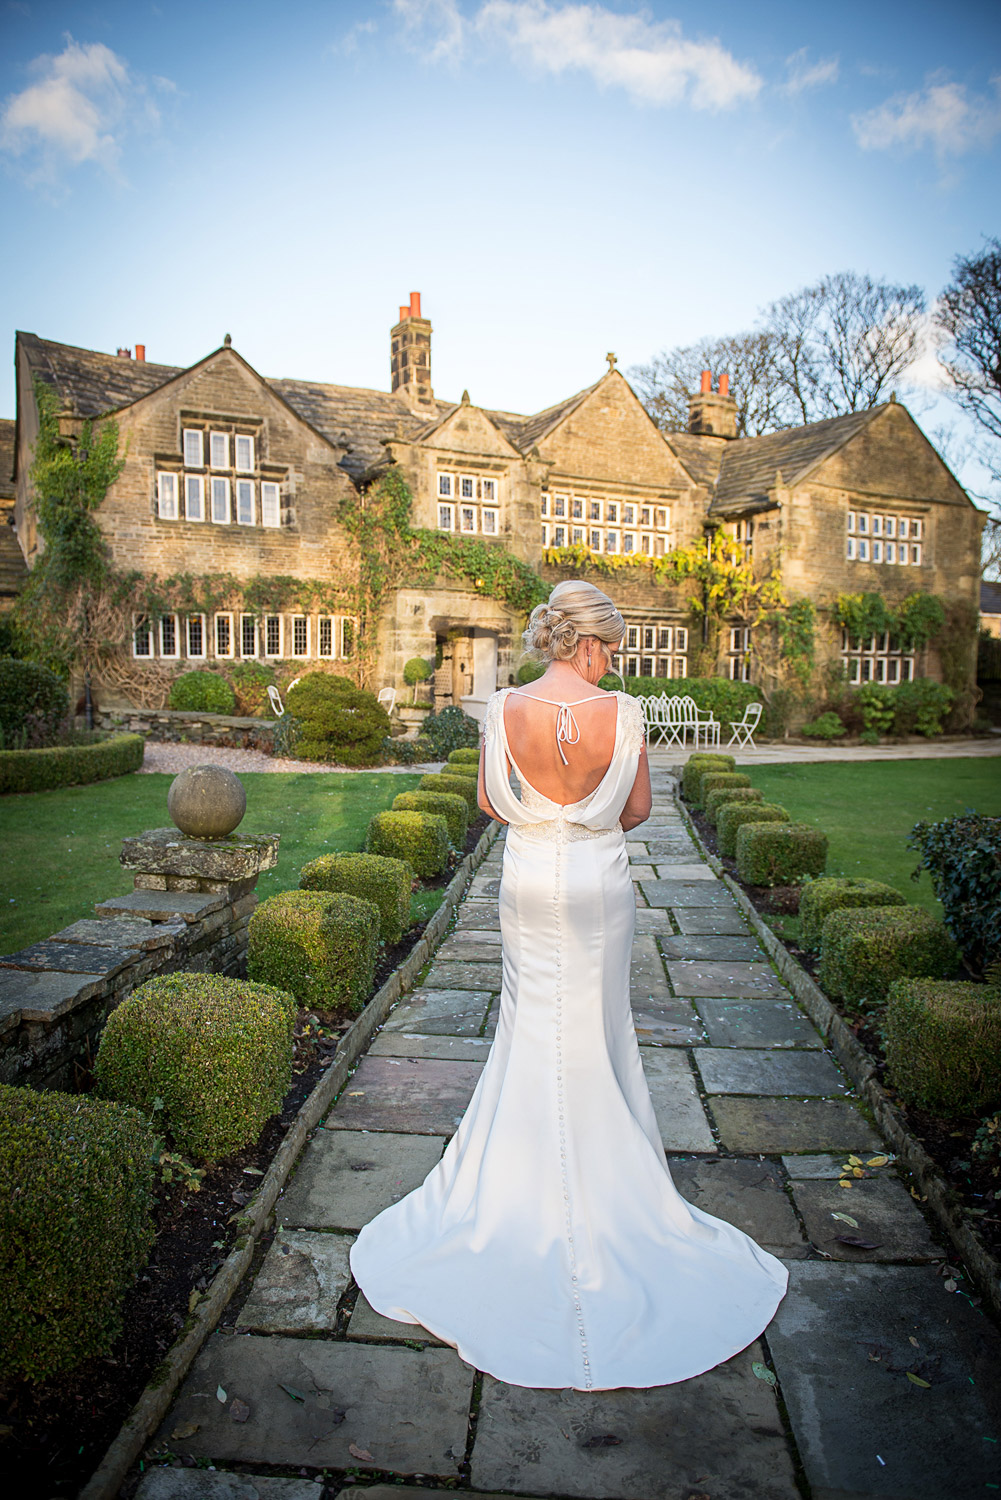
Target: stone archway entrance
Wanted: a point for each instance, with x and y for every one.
(465, 668)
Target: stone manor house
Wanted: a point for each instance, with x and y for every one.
(229, 472)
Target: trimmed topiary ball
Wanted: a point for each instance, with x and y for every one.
(943, 1045)
(455, 811)
(821, 897)
(733, 815)
(387, 883)
(418, 837)
(76, 1225)
(321, 945)
(779, 853)
(214, 1054)
(202, 692)
(863, 950)
(456, 786)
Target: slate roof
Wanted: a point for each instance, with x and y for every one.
(749, 465)
(354, 417)
(89, 381)
(701, 456)
(990, 598)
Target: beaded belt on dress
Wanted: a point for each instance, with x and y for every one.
(560, 831)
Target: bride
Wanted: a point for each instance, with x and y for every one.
(549, 1245)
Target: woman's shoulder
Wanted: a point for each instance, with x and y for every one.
(631, 716)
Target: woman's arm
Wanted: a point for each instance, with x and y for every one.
(640, 799)
(481, 790)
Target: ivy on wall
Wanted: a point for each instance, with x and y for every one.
(911, 623)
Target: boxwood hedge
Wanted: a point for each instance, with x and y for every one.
(70, 765)
(458, 786)
(824, 896)
(721, 796)
(321, 945)
(215, 1054)
(699, 765)
(385, 882)
(202, 692)
(779, 853)
(75, 1225)
(463, 768)
(864, 949)
(421, 838)
(943, 1045)
(733, 815)
(466, 755)
(454, 809)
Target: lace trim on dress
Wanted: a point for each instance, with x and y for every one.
(631, 715)
(561, 829)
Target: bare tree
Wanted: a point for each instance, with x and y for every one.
(968, 315)
(672, 378)
(844, 342)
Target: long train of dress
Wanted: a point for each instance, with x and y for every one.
(550, 1245)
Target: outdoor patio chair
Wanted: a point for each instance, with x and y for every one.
(387, 697)
(275, 699)
(743, 729)
(705, 729)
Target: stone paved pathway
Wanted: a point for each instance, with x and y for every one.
(873, 1380)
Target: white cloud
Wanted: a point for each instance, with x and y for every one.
(77, 110)
(943, 116)
(806, 75)
(651, 60)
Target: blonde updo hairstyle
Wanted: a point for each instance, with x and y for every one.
(573, 610)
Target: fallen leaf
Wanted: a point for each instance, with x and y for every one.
(916, 1380)
(252, 1172)
(846, 1219)
(293, 1391)
(855, 1161)
(911, 1339)
(858, 1171)
(602, 1440)
(844, 1182)
(856, 1242)
(877, 1161)
(763, 1372)
(185, 1430)
(361, 1453)
(220, 1395)
(949, 1285)
(239, 1410)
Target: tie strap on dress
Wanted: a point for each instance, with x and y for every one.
(567, 728)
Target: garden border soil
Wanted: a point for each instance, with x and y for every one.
(149, 1410)
(984, 1267)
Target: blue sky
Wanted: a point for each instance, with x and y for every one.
(557, 179)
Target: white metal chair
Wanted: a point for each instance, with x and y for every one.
(743, 729)
(275, 699)
(704, 727)
(387, 697)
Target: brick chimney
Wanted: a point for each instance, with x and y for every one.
(713, 413)
(124, 353)
(410, 359)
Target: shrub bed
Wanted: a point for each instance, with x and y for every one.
(387, 883)
(75, 1225)
(456, 786)
(336, 721)
(70, 765)
(779, 853)
(863, 950)
(214, 1054)
(454, 809)
(697, 766)
(28, 690)
(449, 729)
(824, 896)
(420, 838)
(203, 692)
(943, 1044)
(963, 856)
(722, 796)
(733, 815)
(321, 945)
(250, 682)
(725, 699)
(466, 755)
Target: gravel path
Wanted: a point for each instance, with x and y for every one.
(173, 758)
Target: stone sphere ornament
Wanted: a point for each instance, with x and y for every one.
(206, 802)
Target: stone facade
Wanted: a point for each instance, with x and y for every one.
(229, 473)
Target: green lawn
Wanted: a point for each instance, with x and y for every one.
(61, 848)
(868, 809)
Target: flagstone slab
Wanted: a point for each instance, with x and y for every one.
(641, 872)
(810, 1165)
(678, 893)
(678, 869)
(651, 919)
(366, 1323)
(470, 936)
(205, 1484)
(419, 1044)
(716, 949)
(886, 1214)
(718, 1435)
(345, 1178)
(301, 1280)
(772, 1125)
(481, 915)
(440, 1012)
(464, 976)
(664, 849)
(70, 958)
(745, 1192)
(426, 1095)
(842, 1342)
(707, 979)
(676, 1103)
(407, 1407)
(36, 995)
(394, 1491)
(703, 921)
(761, 1023)
(458, 950)
(647, 980)
(162, 906)
(727, 1070)
(673, 1024)
(123, 933)
(482, 886)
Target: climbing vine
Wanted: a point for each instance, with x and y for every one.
(795, 626)
(911, 623)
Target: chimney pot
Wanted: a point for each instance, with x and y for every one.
(415, 304)
(124, 353)
(141, 353)
(404, 314)
(707, 381)
(724, 384)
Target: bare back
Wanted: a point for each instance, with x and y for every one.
(530, 724)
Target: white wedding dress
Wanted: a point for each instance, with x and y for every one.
(549, 1245)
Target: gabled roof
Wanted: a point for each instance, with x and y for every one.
(701, 456)
(990, 598)
(525, 432)
(355, 418)
(90, 382)
(749, 465)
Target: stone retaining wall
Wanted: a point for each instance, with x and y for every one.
(189, 912)
(174, 725)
